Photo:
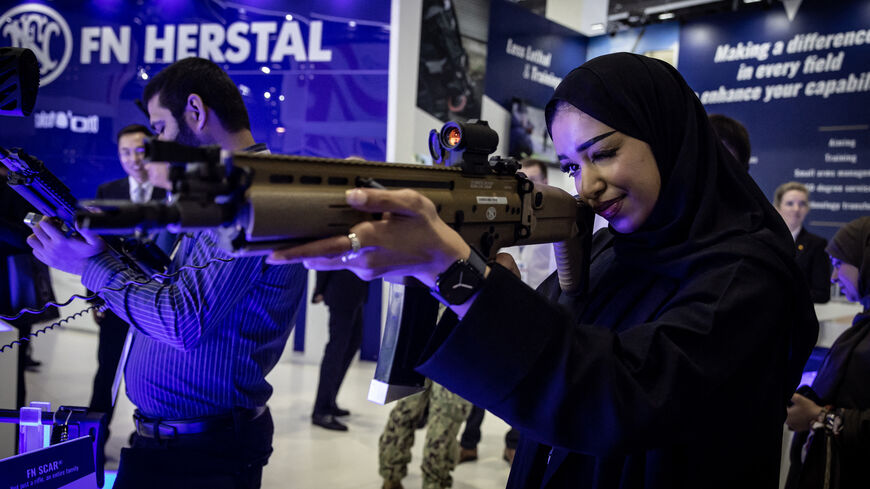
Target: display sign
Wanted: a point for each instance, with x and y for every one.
(659, 41)
(67, 465)
(528, 55)
(312, 74)
(801, 88)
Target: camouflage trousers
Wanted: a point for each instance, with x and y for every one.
(447, 412)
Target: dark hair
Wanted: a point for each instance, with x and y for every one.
(132, 129)
(530, 162)
(734, 137)
(200, 76)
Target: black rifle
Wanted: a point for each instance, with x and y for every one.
(29, 177)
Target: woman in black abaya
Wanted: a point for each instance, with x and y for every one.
(841, 386)
(695, 301)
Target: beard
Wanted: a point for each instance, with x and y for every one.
(185, 134)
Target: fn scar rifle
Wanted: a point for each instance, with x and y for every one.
(261, 202)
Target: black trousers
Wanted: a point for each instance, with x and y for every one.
(229, 459)
(345, 338)
(113, 332)
(471, 435)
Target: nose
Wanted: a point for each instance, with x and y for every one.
(590, 185)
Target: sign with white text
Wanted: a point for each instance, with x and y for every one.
(528, 55)
(801, 87)
(313, 74)
(67, 465)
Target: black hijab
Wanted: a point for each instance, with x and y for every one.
(851, 244)
(705, 199)
(709, 210)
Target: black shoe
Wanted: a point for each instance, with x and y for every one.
(31, 365)
(467, 455)
(337, 411)
(327, 421)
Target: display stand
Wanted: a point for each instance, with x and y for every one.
(56, 449)
(8, 387)
(68, 465)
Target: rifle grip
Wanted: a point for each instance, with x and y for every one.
(573, 255)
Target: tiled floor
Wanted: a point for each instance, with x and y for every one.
(305, 456)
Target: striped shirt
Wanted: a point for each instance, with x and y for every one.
(205, 340)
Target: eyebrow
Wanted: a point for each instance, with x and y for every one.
(594, 140)
(589, 143)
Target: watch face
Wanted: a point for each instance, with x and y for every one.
(459, 282)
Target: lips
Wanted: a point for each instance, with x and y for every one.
(609, 208)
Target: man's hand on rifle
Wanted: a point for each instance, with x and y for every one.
(67, 253)
(410, 240)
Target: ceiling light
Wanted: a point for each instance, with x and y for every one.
(666, 16)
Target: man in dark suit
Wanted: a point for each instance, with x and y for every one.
(113, 330)
(792, 201)
(344, 293)
(812, 260)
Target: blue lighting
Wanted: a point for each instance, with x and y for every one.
(808, 377)
(110, 476)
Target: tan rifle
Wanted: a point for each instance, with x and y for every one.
(261, 202)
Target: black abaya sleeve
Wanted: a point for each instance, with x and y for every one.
(610, 388)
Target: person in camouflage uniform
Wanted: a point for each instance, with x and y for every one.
(447, 412)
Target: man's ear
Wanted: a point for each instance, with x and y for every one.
(197, 111)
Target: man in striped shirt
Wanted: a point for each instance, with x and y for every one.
(205, 340)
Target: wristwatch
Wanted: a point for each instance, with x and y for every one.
(461, 280)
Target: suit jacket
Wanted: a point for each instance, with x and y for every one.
(341, 289)
(813, 261)
(120, 189)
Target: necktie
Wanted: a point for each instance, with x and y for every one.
(139, 194)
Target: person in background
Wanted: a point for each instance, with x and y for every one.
(345, 294)
(695, 300)
(206, 338)
(28, 281)
(535, 263)
(734, 137)
(792, 200)
(446, 412)
(136, 188)
(831, 446)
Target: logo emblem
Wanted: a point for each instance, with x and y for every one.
(41, 29)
